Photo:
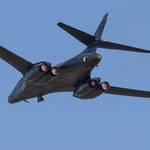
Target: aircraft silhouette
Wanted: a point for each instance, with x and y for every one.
(73, 75)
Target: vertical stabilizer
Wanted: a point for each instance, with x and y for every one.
(92, 41)
(101, 26)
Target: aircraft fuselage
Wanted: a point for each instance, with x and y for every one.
(72, 72)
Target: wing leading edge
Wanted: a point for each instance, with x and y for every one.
(16, 61)
(128, 92)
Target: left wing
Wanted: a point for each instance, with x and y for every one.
(16, 61)
(128, 92)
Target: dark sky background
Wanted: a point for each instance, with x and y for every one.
(62, 122)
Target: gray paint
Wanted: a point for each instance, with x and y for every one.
(74, 74)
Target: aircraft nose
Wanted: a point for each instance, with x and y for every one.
(11, 99)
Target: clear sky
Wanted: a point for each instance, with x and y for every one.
(62, 122)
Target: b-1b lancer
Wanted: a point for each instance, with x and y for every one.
(73, 75)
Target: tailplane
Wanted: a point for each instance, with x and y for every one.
(116, 46)
(94, 41)
(83, 37)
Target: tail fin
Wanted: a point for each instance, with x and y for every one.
(94, 42)
(101, 26)
(83, 37)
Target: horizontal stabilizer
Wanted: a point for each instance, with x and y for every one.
(83, 37)
(128, 92)
(17, 62)
(115, 46)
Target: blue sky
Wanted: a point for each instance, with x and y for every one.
(28, 28)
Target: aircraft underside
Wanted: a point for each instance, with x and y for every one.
(73, 75)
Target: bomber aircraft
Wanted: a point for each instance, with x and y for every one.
(73, 75)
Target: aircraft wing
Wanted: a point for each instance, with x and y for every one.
(16, 61)
(128, 92)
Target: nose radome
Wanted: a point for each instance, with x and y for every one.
(11, 99)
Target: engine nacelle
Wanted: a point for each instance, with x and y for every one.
(41, 73)
(91, 89)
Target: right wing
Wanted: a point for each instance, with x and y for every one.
(128, 92)
(16, 61)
